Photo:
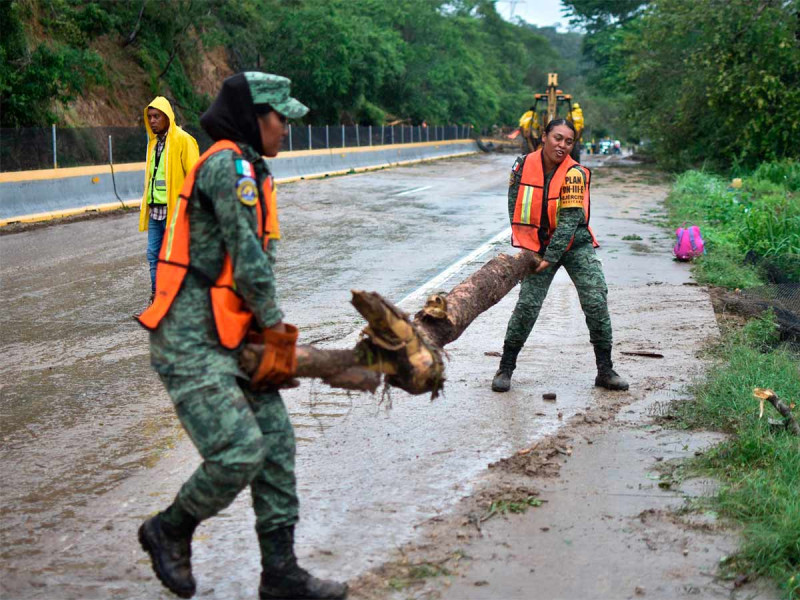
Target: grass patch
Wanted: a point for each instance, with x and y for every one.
(417, 573)
(501, 507)
(762, 216)
(759, 467)
(632, 237)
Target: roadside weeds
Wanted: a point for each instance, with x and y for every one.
(759, 465)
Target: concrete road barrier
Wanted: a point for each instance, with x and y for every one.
(31, 196)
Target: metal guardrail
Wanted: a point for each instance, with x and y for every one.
(54, 147)
(41, 195)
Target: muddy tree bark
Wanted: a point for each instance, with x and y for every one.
(441, 321)
(475, 295)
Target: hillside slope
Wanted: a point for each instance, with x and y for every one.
(99, 62)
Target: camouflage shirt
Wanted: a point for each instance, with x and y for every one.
(186, 341)
(571, 221)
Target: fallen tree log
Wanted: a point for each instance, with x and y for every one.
(408, 353)
(444, 320)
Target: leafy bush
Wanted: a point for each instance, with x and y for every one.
(785, 173)
(54, 71)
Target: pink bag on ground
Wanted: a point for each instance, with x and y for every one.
(688, 243)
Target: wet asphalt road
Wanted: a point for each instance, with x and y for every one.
(90, 445)
(82, 411)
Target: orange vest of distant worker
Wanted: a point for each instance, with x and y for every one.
(231, 316)
(536, 217)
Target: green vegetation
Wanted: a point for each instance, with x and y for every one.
(503, 506)
(759, 466)
(350, 60)
(417, 573)
(702, 82)
(698, 82)
(763, 217)
(31, 79)
(410, 574)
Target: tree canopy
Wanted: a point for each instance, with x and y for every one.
(439, 61)
(705, 81)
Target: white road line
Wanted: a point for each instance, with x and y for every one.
(411, 191)
(429, 286)
(432, 284)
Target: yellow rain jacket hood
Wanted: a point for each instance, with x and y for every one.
(180, 152)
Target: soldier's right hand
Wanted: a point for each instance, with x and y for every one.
(278, 361)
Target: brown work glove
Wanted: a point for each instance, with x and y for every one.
(278, 361)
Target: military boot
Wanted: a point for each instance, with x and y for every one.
(607, 377)
(282, 577)
(508, 362)
(171, 555)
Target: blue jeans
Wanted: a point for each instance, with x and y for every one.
(155, 235)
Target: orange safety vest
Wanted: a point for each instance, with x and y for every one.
(231, 316)
(535, 218)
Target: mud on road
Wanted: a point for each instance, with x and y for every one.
(91, 445)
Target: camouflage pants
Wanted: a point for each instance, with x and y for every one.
(245, 438)
(584, 269)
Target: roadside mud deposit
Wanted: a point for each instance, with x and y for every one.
(592, 516)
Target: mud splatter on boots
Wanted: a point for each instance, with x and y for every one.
(607, 377)
(170, 550)
(283, 578)
(508, 362)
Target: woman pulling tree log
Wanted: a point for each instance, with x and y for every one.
(548, 204)
(407, 353)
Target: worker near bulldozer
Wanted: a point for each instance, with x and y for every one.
(577, 120)
(529, 126)
(576, 116)
(215, 290)
(548, 205)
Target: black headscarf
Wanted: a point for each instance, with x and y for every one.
(232, 116)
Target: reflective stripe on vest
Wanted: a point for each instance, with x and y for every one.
(158, 178)
(232, 318)
(535, 219)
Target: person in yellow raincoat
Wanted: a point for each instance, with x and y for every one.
(529, 126)
(577, 118)
(171, 154)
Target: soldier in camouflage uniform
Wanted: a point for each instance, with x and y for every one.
(241, 428)
(571, 245)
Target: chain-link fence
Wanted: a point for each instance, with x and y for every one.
(47, 148)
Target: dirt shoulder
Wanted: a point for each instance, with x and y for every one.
(603, 520)
(591, 511)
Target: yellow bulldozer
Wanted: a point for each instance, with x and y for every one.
(552, 104)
